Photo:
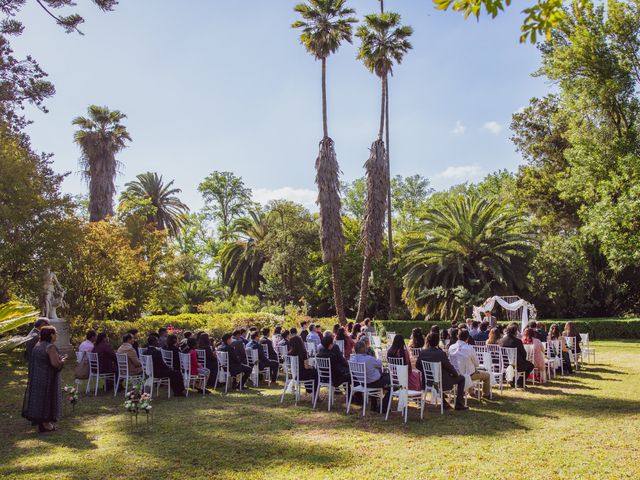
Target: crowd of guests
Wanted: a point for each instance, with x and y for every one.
(452, 348)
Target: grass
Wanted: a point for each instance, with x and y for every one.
(581, 426)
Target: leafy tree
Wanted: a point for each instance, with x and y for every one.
(409, 198)
(383, 42)
(226, 199)
(168, 211)
(100, 137)
(325, 25)
(469, 247)
(37, 225)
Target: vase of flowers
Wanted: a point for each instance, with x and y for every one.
(71, 394)
(138, 401)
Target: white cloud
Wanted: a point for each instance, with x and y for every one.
(459, 129)
(461, 172)
(303, 196)
(492, 127)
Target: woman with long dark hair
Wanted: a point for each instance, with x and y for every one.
(296, 349)
(554, 334)
(398, 350)
(357, 328)
(204, 343)
(417, 339)
(348, 342)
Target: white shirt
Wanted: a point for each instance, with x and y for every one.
(463, 357)
(86, 346)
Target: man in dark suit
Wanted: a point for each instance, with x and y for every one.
(339, 365)
(510, 340)
(238, 344)
(160, 369)
(482, 335)
(263, 361)
(450, 377)
(34, 336)
(236, 366)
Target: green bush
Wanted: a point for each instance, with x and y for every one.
(597, 328)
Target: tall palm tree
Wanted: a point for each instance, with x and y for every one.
(325, 25)
(469, 248)
(169, 212)
(242, 260)
(384, 42)
(100, 137)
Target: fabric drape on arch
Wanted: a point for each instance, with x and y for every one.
(488, 305)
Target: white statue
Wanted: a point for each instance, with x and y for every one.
(52, 295)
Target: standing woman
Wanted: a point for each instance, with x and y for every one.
(43, 399)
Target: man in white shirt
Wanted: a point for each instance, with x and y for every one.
(463, 357)
(87, 345)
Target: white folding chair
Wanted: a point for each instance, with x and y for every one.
(254, 362)
(529, 348)
(188, 376)
(587, 351)
(400, 388)
(340, 344)
(94, 374)
(223, 369)
(432, 372)
(202, 357)
(509, 358)
(390, 337)
(292, 378)
(167, 357)
(554, 356)
(480, 343)
(376, 342)
(572, 345)
(358, 374)
(123, 373)
(140, 351)
(325, 379)
(311, 348)
(151, 381)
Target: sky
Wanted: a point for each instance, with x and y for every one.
(225, 85)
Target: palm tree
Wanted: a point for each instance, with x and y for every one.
(242, 260)
(325, 25)
(169, 212)
(100, 138)
(384, 41)
(468, 248)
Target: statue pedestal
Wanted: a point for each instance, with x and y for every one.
(63, 341)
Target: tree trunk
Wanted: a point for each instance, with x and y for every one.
(336, 279)
(364, 288)
(392, 287)
(381, 6)
(325, 127)
(382, 109)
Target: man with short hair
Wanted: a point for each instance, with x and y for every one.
(136, 345)
(243, 336)
(263, 361)
(293, 332)
(236, 365)
(87, 345)
(339, 365)
(34, 335)
(511, 340)
(237, 343)
(162, 337)
(463, 357)
(303, 330)
(483, 332)
(376, 378)
(488, 316)
(160, 369)
(366, 325)
(475, 328)
(450, 376)
(313, 335)
(135, 367)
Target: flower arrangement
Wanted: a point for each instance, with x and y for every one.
(71, 393)
(171, 330)
(137, 401)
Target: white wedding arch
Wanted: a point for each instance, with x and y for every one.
(516, 308)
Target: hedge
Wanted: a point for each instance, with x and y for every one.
(598, 329)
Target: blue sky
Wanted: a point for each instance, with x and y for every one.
(225, 85)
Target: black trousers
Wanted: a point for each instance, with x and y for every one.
(458, 381)
(175, 380)
(236, 370)
(273, 367)
(383, 382)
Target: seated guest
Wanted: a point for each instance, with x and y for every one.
(367, 341)
(263, 361)
(339, 365)
(529, 338)
(482, 334)
(494, 336)
(303, 330)
(450, 376)
(445, 338)
(236, 367)
(305, 372)
(511, 340)
(475, 328)
(293, 332)
(349, 328)
(265, 340)
(183, 343)
(417, 339)
(284, 340)
(160, 369)
(276, 335)
(355, 331)
(243, 336)
(463, 357)
(313, 336)
(463, 326)
(162, 337)
(237, 343)
(434, 329)
(398, 350)
(135, 367)
(134, 333)
(376, 378)
(336, 326)
(88, 343)
(453, 330)
(554, 334)
(211, 363)
(196, 368)
(106, 355)
(366, 326)
(172, 346)
(570, 331)
(349, 342)
(541, 332)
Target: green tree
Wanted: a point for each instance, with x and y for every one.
(383, 42)
(100, 137)
(226, 199)
(325, 25)
(168, 212)
(470, 247)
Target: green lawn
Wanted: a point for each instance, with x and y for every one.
(583, 426)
